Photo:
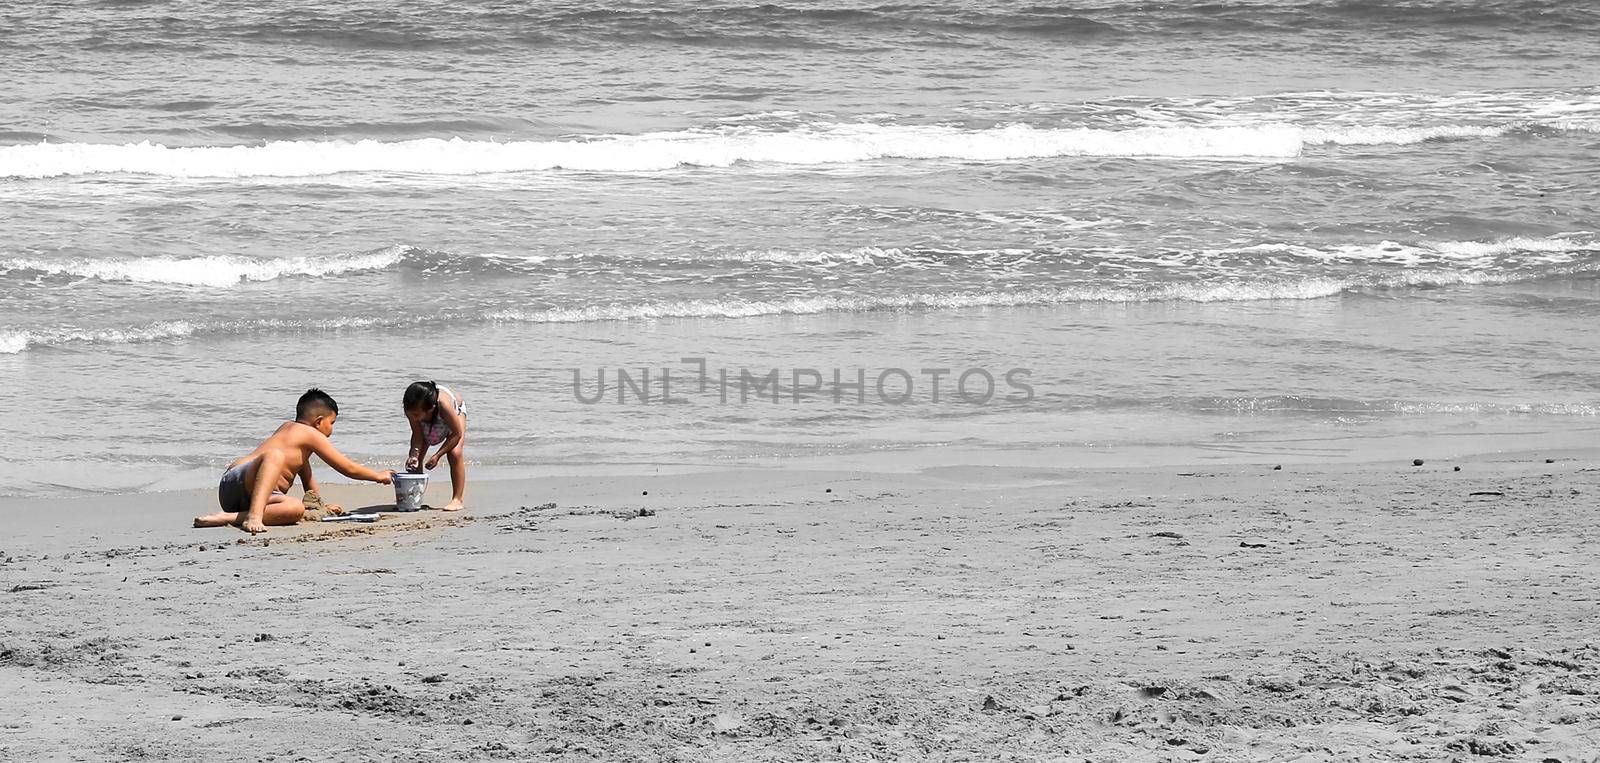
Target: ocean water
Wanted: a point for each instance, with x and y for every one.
(1252, 230)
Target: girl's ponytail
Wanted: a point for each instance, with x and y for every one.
(423, 395)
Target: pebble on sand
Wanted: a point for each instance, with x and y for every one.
(1416, 462)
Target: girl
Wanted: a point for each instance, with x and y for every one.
(438, 416)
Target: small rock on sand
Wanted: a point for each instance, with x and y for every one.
(1416, 462)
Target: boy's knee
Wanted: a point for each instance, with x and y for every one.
(284, 505)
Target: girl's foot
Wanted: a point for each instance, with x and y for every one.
(455, 505)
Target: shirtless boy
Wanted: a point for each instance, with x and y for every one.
(253, 491)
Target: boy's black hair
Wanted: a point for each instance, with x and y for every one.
(422, 395)
(315, 403)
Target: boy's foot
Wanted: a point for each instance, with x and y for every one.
(254, 528)
(219, 519)
(453, 506)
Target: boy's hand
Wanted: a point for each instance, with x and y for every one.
(385, 477)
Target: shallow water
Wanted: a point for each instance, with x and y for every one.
(1224, 228)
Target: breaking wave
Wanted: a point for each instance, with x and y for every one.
(839, 144)
(823, 144)
(216, 271)
(12, 342)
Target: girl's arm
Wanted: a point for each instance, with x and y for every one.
(419, 446)
(458, 431)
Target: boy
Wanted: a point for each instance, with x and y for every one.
(253, 489)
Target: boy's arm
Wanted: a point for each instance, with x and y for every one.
(307, 481)
(309, 484)
(342, 464)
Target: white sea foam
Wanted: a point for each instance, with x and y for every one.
(163, 330)
(1399, 136)
(1519, 244)
(742, 308)
(13, 342)
(1553, 250)
(1451, 263)
(216, 271)
(127, 335)
(865, 255)
(825, 144)
(724, 146)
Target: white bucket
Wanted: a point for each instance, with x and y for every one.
(408, 491)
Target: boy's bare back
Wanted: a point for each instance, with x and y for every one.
(294, 442)
(261, 480)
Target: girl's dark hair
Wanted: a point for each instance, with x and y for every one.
(422, 395)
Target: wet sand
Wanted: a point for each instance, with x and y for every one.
(1377, 611)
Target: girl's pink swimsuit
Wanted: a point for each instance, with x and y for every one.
(437, 429)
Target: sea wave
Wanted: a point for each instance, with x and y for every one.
(213, 271)
(1281, 404)
(1502, 256)
(1255, 264)
(1400, 136)
(836, 144)
(472, 28)
(727, 145)
(12, 341)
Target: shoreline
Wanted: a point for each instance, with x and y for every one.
(1262, 447)
(1215, 612)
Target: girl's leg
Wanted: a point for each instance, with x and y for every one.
(458, 478)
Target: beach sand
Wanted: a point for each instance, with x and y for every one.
(1378, 611)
